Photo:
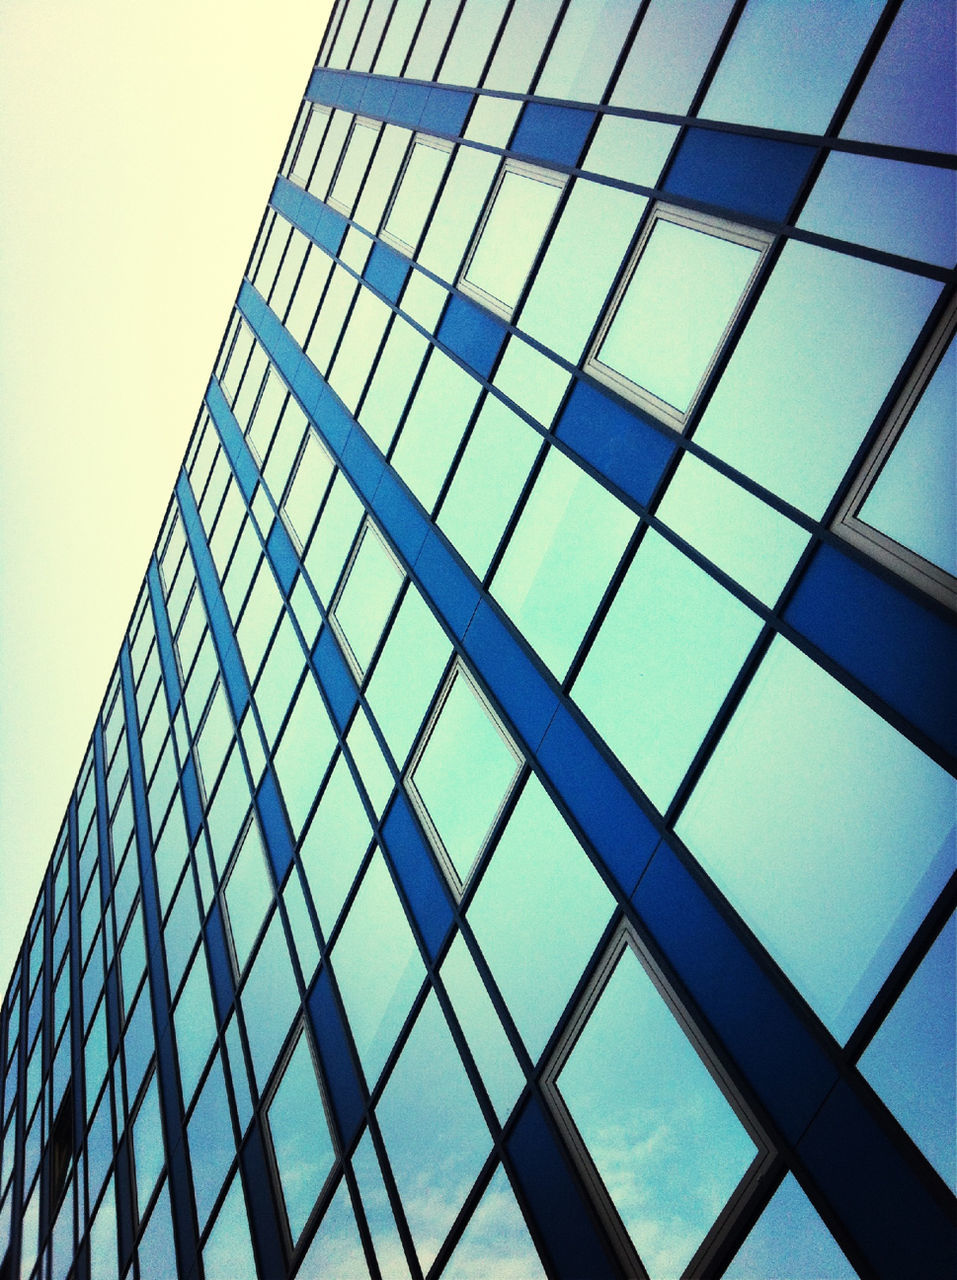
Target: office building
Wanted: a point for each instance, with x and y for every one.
(518, 836)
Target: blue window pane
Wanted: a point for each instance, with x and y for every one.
(211, 1144)
(148, 1144)
(334, 845)
(270, 1000)
(861, 824)
(496, 1240)
(195, 1024)
(669, 53)
(336, 1251)
(300, 1136)
(912, 1061)
(248, 894)
(586, 49)
(790, 1240)
(228, 1252)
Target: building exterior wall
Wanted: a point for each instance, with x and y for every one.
(518, 836)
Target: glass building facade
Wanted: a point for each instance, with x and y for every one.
(518, 836)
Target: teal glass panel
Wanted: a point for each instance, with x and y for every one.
(812, 49)
(95, 1054)
(679, 301)
(433, 429)
(334, 536)
(392, 381)
(336, 1251)
(861, 823)
(228, 811)
(367, 597)
(157, 1247)
(912, 1061)
(528, 26)
(539, 884)
(579, 267)
(560, 558)
(211, 1144)
(139, 1042)
(358, 347)
(632, 150)
(377, 966)
(511, 235)
(790, 1240)
(433, 1130)
(259, 619)
(247, 894)
(487, 483)
(378, 1211)
(228, 1252)
(811, 370)
(586, 49)
(914, 498)
(304, 751)
(238, 1073)
(300, 1136)
(424, 299)
(214, 738)
(662, 1135)
(464, 774)
(132, 957)
(279, 678)
(148, 1152)
(407, 672)
(873, 201)
(270, 1001)
(195, 1025)
(374, 770)
(335, 844)
(496, 1240)
(489, 1045)
(300, 925)
(308, 488)
(661, 665)
(355, 161)
(104, 1263)
(536, 383)
(670, 51)
(413, 200)
(99, 1145)
(463, 196)
(745, 537)
(492, 120)
(471, 42)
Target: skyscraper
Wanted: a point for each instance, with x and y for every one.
(518, 836)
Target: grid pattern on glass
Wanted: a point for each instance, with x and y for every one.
(509, 235)
(672, 311)
(366, 597)
(462, 775)
(902, 505)
(650, 1118)
(418, 186)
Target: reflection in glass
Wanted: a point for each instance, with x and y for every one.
(228, 1252)
(334, 845)
(666, 1142)
(306, 745)
(432, 432)
(248, 894)
(211, 1144)
(433, 1130)
(195, 1025)
(300, 1136)
(336, 1251)
(420, 181)
(148, 1144)
(496, 1240)
(270, 1000)
(386, 1241)
(366, 599)
(669, 54)
(790, 1240)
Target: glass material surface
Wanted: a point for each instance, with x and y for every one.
(420, 183)
(228, 1251)
(270, 1000)
(432, 431)
(335, 844)
(355, 160)
(585, 49)
(539, 883)
(211, 1145)
(300, 1136)
(304, 751)
(659, 668)
(433, 1130)
(496, 1240)
(248, 895)
(336, 1250)
(862, 825)
(684, 290)
(377, 966)
(790, 1240)
(511, 234)
(367, 597)
(633, 150)
(912, 1061)
(914, 498)
(671, 49)
(378, 1211)
(148, 1151)
(664, 1138)
(195, 1025)
(463, 774)
(559, 559)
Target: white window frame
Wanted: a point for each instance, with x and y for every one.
(418, 140)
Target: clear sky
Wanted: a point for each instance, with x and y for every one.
(138, 143)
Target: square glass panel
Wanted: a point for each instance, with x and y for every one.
(365, 599)
(352, 167)
(417, 189)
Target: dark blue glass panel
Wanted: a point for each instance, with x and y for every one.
(191, 800)
(364, 463)
(876, 1191)
(758, 176)
(417, 874)
(399, 512)
(555, 1200)
(386, 271)
(331, 416)
(124, 1205)
(274, 826)
(446, 110)
(337, 1062)
(471, 333)
(350, 92)
(264, 1224)
(233, 441)
(622, 835)
(618, 443)
(448, 582)
(555, 134)
(409, 103)
(284, 560)
(163, 637)
(287, 198)
(223, 988)
(788, 1069)
(904, 652)
(521, 690)
(335, 677)
(324, 86)
(377, 97)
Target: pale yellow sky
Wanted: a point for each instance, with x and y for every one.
(138, 143)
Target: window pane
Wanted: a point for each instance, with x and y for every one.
(270, 1000)
(148, 1144)
(586, 49)
(862, 825)
(305, 749)
(195, 1024)
(300, 1136)
(335, 844)
(211, 1144)
(354, 163)
(336, 1251)
(367, 597)
(248, 894)
(789, 1240)
(228, 1252)
(413, 200)
(665, 1140)
(669, 54)
(633, 150)
(433, 430)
